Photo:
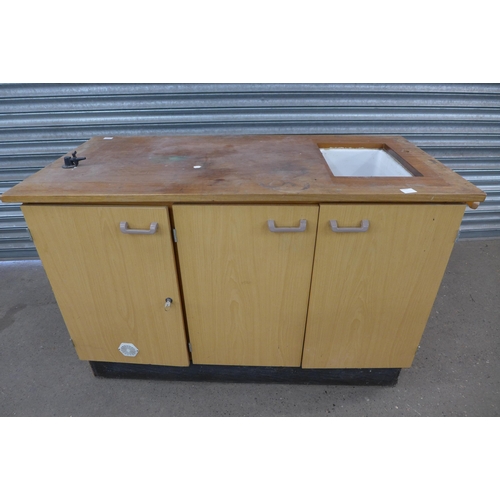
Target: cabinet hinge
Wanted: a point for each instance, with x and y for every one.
(29, 232)
(174, 233)
(189, 347)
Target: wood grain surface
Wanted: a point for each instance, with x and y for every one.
(111, 287)
(246, 288)
(239, 169)
(372, 292)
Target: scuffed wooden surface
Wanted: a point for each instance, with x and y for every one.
(257, 168)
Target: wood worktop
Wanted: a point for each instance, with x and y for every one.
(243, 169)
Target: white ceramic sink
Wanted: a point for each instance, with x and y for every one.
(352, 162)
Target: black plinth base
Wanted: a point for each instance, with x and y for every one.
(249, 374)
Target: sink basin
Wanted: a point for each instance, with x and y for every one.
(352, 162)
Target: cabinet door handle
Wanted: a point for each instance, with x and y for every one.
(125, 229)
(361, 229)
(272, 227)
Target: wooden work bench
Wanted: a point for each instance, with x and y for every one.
(244, 257)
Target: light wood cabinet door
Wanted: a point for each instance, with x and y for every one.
(246, 288)
(112, 287)
(372, 291)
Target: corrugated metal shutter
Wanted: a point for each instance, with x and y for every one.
(459, 124)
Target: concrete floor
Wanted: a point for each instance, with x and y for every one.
(455, 373)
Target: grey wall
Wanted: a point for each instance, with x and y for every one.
(459, 124)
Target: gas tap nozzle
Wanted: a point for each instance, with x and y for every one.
(72, 161)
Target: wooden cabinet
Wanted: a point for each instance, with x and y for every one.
(111, 287)
(277, 262)
(246, 288)
(251, 276)
(372, 291)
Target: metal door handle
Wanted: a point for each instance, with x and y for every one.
(272, 227)
(125, 229)
(336, 229)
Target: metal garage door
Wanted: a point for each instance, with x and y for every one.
(459, 124)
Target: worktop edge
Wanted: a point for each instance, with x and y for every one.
(283, 199)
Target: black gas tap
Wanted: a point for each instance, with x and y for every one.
(72, 161)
